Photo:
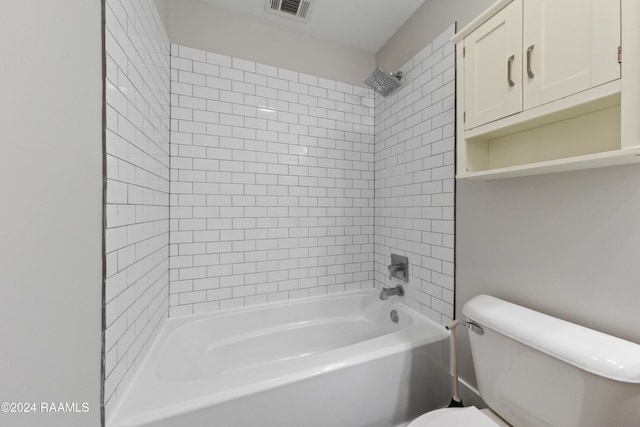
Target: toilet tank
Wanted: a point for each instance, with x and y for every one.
(535, 370)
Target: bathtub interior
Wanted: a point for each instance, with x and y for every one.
(230, 343)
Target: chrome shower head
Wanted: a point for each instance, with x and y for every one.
(384, 82)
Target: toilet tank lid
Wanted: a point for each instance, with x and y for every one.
(592, 351)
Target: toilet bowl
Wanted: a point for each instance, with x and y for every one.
(459, 417)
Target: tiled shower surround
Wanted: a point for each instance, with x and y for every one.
(414, 179)
(271, 183)
(276, 184)
(137, 200)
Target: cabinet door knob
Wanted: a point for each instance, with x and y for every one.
(509, 63)
(529, 53)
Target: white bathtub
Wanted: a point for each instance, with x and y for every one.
(334, 361)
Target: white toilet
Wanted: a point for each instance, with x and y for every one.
(535, 370)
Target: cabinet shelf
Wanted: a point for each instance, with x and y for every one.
(609, 158)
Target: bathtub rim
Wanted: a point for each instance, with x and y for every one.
(177, 321)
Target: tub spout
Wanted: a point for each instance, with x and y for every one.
(386, 292)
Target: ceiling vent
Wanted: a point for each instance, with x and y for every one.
(300, 10)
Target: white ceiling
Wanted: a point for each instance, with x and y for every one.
(361, 24)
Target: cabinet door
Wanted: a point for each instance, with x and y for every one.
(493, 67)
(569, 46)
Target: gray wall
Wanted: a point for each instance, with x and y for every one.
(566, 244)
(196, 24)
(162, 6)
(51, 215)
(431, 19)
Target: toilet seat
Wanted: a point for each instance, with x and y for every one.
(458, 417)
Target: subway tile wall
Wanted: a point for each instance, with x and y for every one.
(271, 183)
(414, 179)
(137, 201)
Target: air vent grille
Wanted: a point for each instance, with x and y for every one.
(297, 9)
(290, 6)
(304, 9)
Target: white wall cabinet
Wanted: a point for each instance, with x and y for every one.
(493, 60)
(541, 87)
(569, 46)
